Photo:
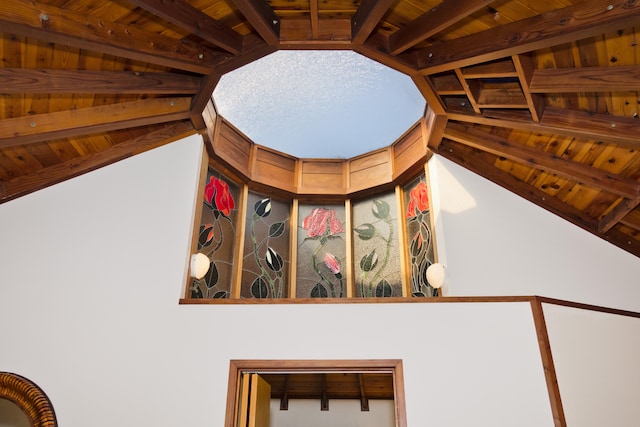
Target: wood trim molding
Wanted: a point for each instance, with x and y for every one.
(393, 366)
(557, 411)
(30, 398)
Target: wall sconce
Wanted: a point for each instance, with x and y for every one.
(199, 265)
(436, 276)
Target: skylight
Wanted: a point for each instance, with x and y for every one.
(319, 104)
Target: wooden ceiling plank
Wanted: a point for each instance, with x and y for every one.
(367, 17)
(195, 21)
(586, 79)
(71, 168)
(22, 80)
(617, 213)
(579, 21)
(55, 25)
(542, 160)
(262, 18)
(565, 122)
(432, 22)
(65, 124)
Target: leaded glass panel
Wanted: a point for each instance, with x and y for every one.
(266, 260)
(375, 247)
(419, 241)
(321, 254)
(216, 236)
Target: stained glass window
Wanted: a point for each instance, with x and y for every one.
(419, 235)
(321, 254)
(376, 252)
(265, 264)
(216, 236)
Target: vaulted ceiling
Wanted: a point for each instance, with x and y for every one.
(539, 97)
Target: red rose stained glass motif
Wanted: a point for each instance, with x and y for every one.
(418, 200)
(217, 194)
(317, 221)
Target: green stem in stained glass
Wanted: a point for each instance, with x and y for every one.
(263, 270)
(387, 254)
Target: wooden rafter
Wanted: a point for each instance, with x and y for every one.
(55, 25)
(22, 80)
(262, 18)
(65, 124)
(563, 122)
(586, 79)
(367, 17)
(543, 160)
(54, 174)
(364, 400)
(315, 19)
(432, 22)
(579, 21)
(193, 20)
(621, 210)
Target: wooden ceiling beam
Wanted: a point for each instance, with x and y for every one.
(603, 127)
(23, 80)
(621, 210)
(576, 22)
(84, 121)
(364, 400)
(367, 17)
(195, 21)
(586, 79)
(632, 219)
(432, 22)
(262, 18)
(65, 27)
(315, 19)
(71, 168)
(539, 159)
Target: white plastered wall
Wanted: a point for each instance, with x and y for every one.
(91, 271)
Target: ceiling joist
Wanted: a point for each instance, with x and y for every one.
(543, 160)
(62, 26)
(262, 18)
(367, 17)
(65, 124)
(432, 22)
(579, 21)
(193, 20)
(21, 80)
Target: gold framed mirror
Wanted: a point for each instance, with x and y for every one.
(30, 398)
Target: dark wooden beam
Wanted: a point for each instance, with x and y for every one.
(632, 219)
(195, 21)
(368, 15)
(602, 127)
(315, 19)
(550, 376)
(586, 79)
(284, 400)
(324, 399)
(262, 18)
(540, 159)
(579, 21)
(253, 49)
(204, 97)
(364, 400)
(621, 210)
(71, 168)
(24, 80)
(432, 22)
(65, 27)
(84, 121)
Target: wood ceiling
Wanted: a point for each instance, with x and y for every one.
(541, 97)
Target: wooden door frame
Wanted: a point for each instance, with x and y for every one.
(392, 366)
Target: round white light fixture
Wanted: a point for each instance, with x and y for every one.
(436, 275)
(199, 265)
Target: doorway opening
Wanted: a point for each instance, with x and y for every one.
(255, 384)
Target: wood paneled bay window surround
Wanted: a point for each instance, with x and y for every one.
(277, 228)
